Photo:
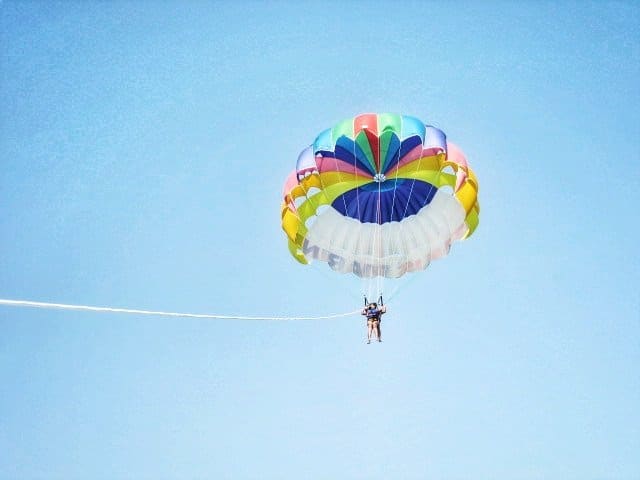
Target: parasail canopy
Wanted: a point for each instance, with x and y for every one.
(379, 195)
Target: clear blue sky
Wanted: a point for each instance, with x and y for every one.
(143, 146)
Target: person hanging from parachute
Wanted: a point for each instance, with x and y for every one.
(374, 318)
(378, 196)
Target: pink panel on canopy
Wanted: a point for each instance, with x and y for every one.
(290, 183)
(415, 154)
(455, 155)
(329, 164)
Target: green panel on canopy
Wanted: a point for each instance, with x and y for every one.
(389, 121)
(363, 142)
(343, 128)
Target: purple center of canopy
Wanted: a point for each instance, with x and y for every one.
(377, 202)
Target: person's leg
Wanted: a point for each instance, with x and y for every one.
(369, 330)
(378, 331)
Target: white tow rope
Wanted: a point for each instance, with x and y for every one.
(87, 308)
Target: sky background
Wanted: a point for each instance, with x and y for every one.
(143, 147)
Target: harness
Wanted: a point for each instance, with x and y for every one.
(373, 314)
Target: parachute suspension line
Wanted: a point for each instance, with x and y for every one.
(413, 183)
(355, 172)
(357, 175)
(399, 247)
(87, 308)
(364, 281)
(412, 278)
(319, 168)
(380, 277)
(395, 185)
(322, 268)
(344, 200)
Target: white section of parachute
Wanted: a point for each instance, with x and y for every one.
(392, 249)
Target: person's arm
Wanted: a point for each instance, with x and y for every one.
(383, 309)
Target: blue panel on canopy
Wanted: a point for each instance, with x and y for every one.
(389, 201)
(350, 152)
(405, 147)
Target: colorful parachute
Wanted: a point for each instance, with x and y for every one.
(379, 195)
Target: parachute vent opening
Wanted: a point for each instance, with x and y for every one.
(379, 178)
